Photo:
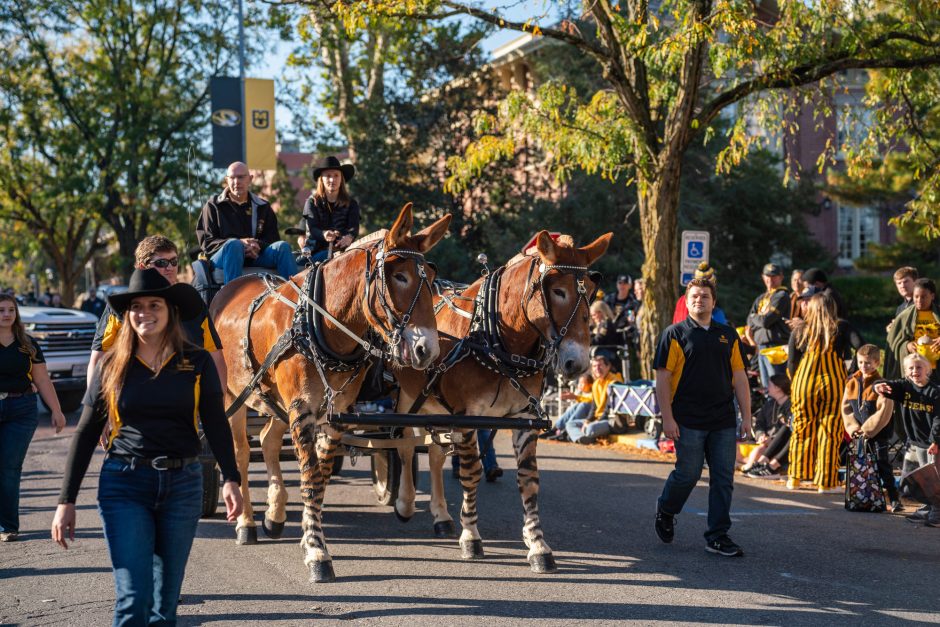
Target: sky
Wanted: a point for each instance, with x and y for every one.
(274, 62)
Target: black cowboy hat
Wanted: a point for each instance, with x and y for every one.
(149, 282)
(332, 163)
(300, 229)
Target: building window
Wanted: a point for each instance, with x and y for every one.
(858, 229)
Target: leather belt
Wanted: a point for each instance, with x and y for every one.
(158, 463)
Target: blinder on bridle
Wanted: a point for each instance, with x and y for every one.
(393, 327)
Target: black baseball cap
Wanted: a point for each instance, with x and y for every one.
(814, 275)
(624, 278)
(772, 269)
(809, 292)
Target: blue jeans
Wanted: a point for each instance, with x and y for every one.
(150, 519)
(693, 448)
(577, 411)
(231, 258)
(594, 430)
(767, 369)
(18, 421)
(487, 450)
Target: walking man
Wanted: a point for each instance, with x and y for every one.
(699, 372)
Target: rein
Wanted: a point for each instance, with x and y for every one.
(305, 333)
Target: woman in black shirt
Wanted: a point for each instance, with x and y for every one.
(331, 215)
(153, 390)
(21, 368)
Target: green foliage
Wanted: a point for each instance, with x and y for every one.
(872, 301)
(124, 88)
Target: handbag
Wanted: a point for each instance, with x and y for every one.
(863, 492)
(924, 483)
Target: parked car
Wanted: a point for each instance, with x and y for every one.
(65, 337)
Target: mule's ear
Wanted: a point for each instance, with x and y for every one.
(546, 247)
(596, 249)
(401, 229)
(426, 238)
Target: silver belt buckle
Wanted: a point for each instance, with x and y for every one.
(3, 395)
(155, 462)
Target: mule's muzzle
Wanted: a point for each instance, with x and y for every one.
(573, 359)
(419, 348)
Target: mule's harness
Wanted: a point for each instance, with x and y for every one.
(305, 334)
(485, 341)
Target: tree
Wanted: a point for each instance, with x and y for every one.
(670, 69)
(130, 81)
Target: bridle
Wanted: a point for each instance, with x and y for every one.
(395, 327)
(485, 341)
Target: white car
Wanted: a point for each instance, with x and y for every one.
(65, 337)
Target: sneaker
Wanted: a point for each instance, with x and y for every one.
(585, 439)
(724, 546)
(764, 472)
(548, 435)
(896, 507)
(793, 483)
(665, 526)
(918, 516)
(833, 490)
(493, 474)
(9, 536)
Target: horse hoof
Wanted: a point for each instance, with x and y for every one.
(543, 563)
(322, 572)
(471, 550)
(246, 535)
(399, 516)
(273, 530)
(445, 529)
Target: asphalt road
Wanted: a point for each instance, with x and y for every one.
(807, 561)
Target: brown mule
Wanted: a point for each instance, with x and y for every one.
(470, 387)
(394, 302)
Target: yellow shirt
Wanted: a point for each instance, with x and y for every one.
(927, 326)
(599, 393)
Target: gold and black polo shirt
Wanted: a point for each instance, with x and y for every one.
(701, 362)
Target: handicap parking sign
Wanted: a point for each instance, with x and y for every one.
(686, 277)
(696, 250)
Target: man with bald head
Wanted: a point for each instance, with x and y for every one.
(238, 228)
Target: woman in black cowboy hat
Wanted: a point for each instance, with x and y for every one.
(151, 386)
(331, 215)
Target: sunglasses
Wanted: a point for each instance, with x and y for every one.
(165, 263)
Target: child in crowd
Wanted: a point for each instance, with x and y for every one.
(772, 431)
(919, 398)
(867, 414)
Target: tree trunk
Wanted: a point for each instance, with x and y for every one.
(659, 204)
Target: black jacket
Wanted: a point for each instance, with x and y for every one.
(320, 216)
(222, 220)
(767, 318)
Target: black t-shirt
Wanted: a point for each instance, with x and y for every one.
(199, 330)
(701, 362)
(16, 367)
(920, 410)
(154, 416)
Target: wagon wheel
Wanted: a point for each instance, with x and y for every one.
(386, 474)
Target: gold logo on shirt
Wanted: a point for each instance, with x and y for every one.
(723, 339)
(185, 366)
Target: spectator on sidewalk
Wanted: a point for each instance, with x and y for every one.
(603, 329)
(818, 278)
(93, 304)
(917, 328)
(622, 303)
(769, 456)
(699, 373)
(585, 421)
(866, 414)
(681, 312)
(919, 398)
(796, 288)
(766, 321)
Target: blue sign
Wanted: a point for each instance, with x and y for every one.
(686, 277)
(696, 250)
